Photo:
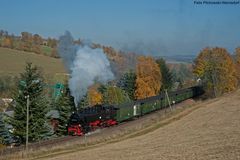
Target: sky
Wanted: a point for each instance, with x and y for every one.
(155, 27)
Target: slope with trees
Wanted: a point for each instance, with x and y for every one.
(29, 42)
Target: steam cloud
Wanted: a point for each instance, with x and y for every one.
(85, 65)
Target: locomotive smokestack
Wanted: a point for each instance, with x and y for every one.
(85, 65)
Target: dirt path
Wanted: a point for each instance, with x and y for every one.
(211, 132)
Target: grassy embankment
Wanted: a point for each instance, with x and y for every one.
(12, 62)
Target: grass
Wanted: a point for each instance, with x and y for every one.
(12, 62)
(46, 50)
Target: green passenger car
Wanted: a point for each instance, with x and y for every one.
(147, 105)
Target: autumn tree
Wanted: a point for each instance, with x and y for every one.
(215, 68)
(149, 78)
(54, 53)
(37, 39)
(94, 96)
(7, 42)
(120, 61)
(26, 37)
(51, 42)
(114, 95)
(237, 54)
(36, 49)
(26, 41)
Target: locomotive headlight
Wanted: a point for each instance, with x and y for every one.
(100, 117)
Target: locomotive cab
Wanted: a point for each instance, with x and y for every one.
(74, 125)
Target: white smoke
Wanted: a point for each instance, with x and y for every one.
(85, 65)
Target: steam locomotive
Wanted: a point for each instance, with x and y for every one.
(90, 118)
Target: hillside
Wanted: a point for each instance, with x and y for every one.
(210, 132)
(12, 62)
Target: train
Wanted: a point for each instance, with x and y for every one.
(88, 119)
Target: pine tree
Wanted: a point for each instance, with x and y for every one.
(31, 85)
(83, 102)
(5, 137)
(167, 77)
(65, 107)
(127, 83)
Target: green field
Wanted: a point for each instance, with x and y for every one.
(46, 50)
(12, 62)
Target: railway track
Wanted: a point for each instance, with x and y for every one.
(47, 143)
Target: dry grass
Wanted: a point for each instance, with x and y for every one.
(211, 132)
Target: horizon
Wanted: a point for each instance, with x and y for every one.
(158, 28)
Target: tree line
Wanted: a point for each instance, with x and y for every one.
(29, 42)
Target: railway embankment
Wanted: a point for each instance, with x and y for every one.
(128, 129)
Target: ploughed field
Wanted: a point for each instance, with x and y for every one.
(211, 131)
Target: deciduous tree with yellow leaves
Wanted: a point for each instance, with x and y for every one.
(148, 81)
(94, 96)
(7, 42)
(237, 52)
(215, 67)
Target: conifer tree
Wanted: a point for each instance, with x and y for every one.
(83, 102)
(127, 83)
(31, 84)
(5, 137)
(65, 107)
(167, 77)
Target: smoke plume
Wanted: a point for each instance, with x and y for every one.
(85, 65)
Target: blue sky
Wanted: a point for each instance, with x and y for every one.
(158, 27)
